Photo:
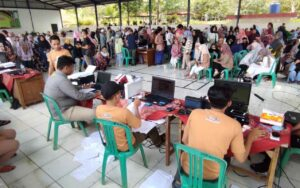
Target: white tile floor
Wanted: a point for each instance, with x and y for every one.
(39, 166)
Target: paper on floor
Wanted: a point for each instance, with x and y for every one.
(159, 179)
(91, 157)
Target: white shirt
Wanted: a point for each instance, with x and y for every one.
(169, 38)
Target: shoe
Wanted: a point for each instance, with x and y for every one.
(4, 122)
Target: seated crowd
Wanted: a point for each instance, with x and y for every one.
(189, 49)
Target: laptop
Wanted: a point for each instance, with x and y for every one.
(241, 93)
(240, 99)
(162, 91)
(102, 78)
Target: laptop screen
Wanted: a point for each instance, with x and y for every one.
(241, 91)
(163, 87)
(103, 77)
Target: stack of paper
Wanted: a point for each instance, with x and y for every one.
(7, 65)
(272, 118)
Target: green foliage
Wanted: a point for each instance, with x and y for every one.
(212, 9)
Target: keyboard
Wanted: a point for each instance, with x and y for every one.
(156, 99)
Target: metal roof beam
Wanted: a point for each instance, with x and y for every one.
(48, 4)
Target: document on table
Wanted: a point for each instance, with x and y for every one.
(146, 126)
(87, 90)
(6, 70)
(7, 65)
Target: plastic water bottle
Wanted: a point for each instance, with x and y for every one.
(23, 69)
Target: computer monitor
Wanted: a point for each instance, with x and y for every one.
(241, 91)
(103, 77)
(163, 87)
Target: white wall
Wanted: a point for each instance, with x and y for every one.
(42, 20)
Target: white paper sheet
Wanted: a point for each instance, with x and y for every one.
(6, 70)
(90, 69)
(7, 65)
(159, 179)
(145, 128)
(87, 90)
(91, 157)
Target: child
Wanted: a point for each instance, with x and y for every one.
(77, 55)
(175, 53)
(118, 49)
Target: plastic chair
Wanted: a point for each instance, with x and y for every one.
(208, 71)
(126, 55)
(287, 154)
(5, 96)
(58, 120)
(271, 73)
(195, 177)
(236, 60)
(112, 149)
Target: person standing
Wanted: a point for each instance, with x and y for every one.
(131, 45)
(88, 48)
(55, 53)
(160, 46)
(169, 39)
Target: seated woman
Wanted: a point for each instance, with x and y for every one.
(250, 58)
(175, 53)
(102, 59)
(263, 64)
(294, 72)
(214, 51)
(202, 59)
(224, 62)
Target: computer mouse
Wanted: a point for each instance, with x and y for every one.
(148, 104)
(170, 109)
(161, 103)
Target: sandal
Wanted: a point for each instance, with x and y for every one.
(7, 168)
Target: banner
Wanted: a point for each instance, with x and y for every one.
(9, 19)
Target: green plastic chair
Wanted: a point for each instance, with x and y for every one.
(236, 69)
(112, 149)
(195, 177)
(271, 73)
(58, 120)
(287, 154)
(5, 96)
(208, 71)
(179, 63)
(126, 55)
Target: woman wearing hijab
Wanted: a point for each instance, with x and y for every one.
(225, 61)
(25, 53)
(240, 36)
(202, 59)
(263, 64)
(277, 44)
(213, 35)
(251, 57)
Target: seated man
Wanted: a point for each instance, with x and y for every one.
(113, 112)
(66, 95)
(213, 132)
(55, 53)
(8, 148)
